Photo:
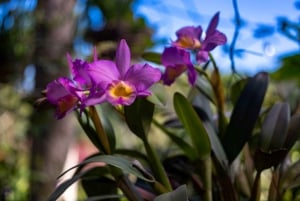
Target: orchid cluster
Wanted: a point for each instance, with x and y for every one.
(119, 83)
(93, 83)
(177, 57)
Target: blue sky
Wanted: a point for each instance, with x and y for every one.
(169, 15)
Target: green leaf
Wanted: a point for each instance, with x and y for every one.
(289, 70)
(275, 126)
(216, 145)
(152, 56)
(179, 194)
(180, 142)
(139, 117)
(192, 125)
(244, 115)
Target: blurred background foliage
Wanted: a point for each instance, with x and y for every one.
(35, 36)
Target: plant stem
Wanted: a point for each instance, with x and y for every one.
(156, 166)
(99, 129)
(255, 193)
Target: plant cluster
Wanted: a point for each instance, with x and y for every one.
(222, 139)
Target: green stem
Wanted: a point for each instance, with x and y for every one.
(213, 61)
(156, 166)
(99, 129)
(207, 177)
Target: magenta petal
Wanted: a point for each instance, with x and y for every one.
(121, 100)
(202, 56)
(174, 55)
(103, 72)
(211, 41)
(192, 74)
(57, 94)
(123, 57)
(142, 76)
(190, 31)
(172, 72)
(95, 97)
(80, 75)
(57, 89)
(213, 24)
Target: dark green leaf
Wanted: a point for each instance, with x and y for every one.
(179, 194)
(152, 56)
(89, 130)
(95, 184)
(293, 132)
(192, 125)
(236, 90)
(105, 197)
(116, 161)
(108, 127)
(244, 115)
(139, 116)
(66, 184)
(275, 127)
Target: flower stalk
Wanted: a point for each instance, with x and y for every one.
(99, 129)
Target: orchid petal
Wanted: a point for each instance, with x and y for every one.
(172, 72)
(123, 57)
(174, 55)
(142, 76)
(192, 74)
(80, 75)
(95, 97)
(213, 40)
(57, 94)
(103, 72)
(202, 56)
(191, 31)
(57, 89)
(121, 99)
(213, 24)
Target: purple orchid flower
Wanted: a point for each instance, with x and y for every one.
(121, 81)
(76, 93)
(190, 38)
(177, 61)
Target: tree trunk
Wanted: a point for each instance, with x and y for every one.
(55, 28)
